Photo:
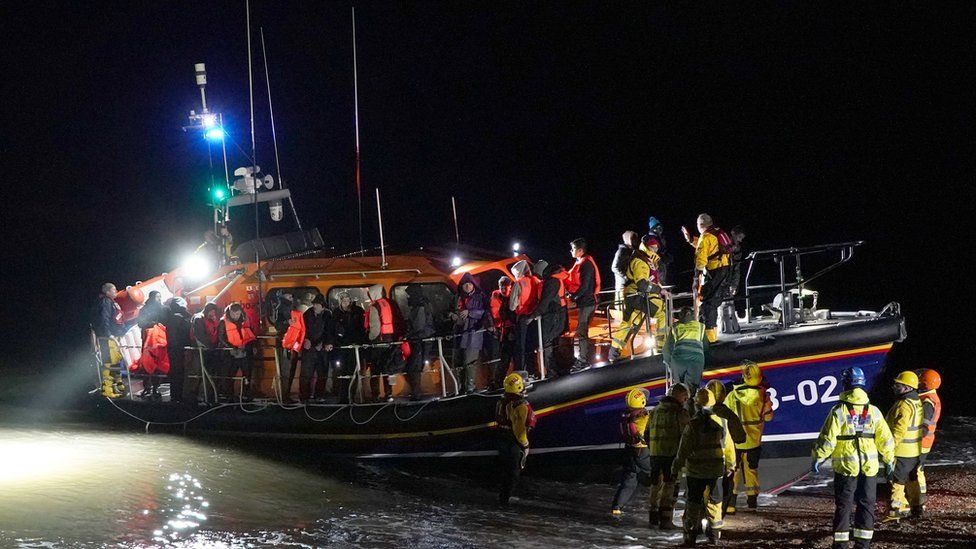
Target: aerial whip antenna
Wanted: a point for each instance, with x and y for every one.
(274, 135)
(457, 233)
(355, 85)
(379, 213)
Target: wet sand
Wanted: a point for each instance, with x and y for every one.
(801, 517)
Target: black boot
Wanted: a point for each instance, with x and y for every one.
(752, 502)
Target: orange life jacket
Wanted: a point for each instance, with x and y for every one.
(386, 316)
(529, 292)
(573, 282)
(295, 335)
(238, 335)
(154, 358)
(928, 425)
(562, 276)
(499, 309)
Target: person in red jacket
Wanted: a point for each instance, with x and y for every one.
(522, 301)
(235, 334)
(501, 344)
(583, 288)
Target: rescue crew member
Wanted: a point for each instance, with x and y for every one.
(502, 342)
(636, 460)
(905, 421)
(656, 229)
(713, 249)
(583, 287)
(664, 427)
(234, 332)
(551, 309)
(203, 329)
(522, 301)
(719, 502)
(316, 350)
(929, 382)
(642, 296)
(707, 449)
(420, 326)
(750, 401)
(621, 261)
(469, 320)
(515, 420)
(684, 350)
(380, 325)
(854, 435)
(107, 324)
(348, 325)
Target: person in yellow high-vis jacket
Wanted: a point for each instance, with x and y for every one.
(713, 260)
(642, 296)
(664, 427)
(751, 403)
(905, 421)
(929, 382)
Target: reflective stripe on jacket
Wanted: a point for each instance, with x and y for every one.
(664, 426)
(706, 447)
(905, 421)
(931, 412)
(855, 436)
(754, 409)
(688, 338)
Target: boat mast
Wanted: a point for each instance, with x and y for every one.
(274, 135)
(254, 164)
(355, 84)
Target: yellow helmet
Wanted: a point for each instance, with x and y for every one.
(514, 384)
(751, 374)
(636, 399)
(717, 388)
(908, 378)
(704, 398)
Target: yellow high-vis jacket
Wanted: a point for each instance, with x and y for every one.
(706, 447)
(855, 435)
(707, 256)
(905, 421)
(754, 409)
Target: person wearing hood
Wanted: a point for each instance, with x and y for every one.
(177, 324)
(583, 285)
(522, 301)
(348, 324)
(203, 332)
(284, 316)
(751, 402)
(152, 313)
(469, 320)
(720, 499)
(420, 326)
(235, 334)
(905, 422)
(316, 350)
(380, 325)
(667, 420)
(642, 296)
(621, 261)
(551, 308)
(656, 229)
(854, 436)
(502, 340)
(707, 450)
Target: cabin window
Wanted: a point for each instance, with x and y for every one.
(278, 308)
(358, 294)
(441, 298)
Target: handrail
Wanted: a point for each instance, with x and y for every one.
(363, 274)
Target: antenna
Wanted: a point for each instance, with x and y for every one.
(379, 213)
(355, 85)
(254, 160)
(457, 234)
(274, 136)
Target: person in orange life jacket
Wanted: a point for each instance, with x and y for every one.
(522, 301)
(583, 287)
(235, 334)
(348, 322)
(281, 318)
(515, 419)
(379, 322)
(713, 248)
(151, 313)
(501, 340)
(551, 308)
(621, 261)
(177, 322)
(420, 325)
(316, 350)
(928, 382)
(470, 322)
(203, 334)
(656, 229)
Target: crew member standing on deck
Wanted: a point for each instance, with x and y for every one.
(713, 252)
(905, 421)
(583, 286)
(667, 420)
(621, 260)
(854, 435)
(379, 322)
(642, 296)
(750, 401)
(928, 382)
(515, 420)
(633, 427)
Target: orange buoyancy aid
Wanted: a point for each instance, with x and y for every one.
(499, 309)
(930, 398)
(562, 276)
(573, 282)
(155, 358)
(529, 294)
(295, 335)
(386, 316)
(238, 335)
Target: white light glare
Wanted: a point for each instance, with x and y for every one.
(196, 267)
(209, 120)
(516, 247)
(456, 262)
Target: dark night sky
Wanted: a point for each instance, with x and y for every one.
(547, 120)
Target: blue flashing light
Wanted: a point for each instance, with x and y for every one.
(215, 134)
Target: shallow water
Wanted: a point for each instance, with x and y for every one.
(76, 486)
